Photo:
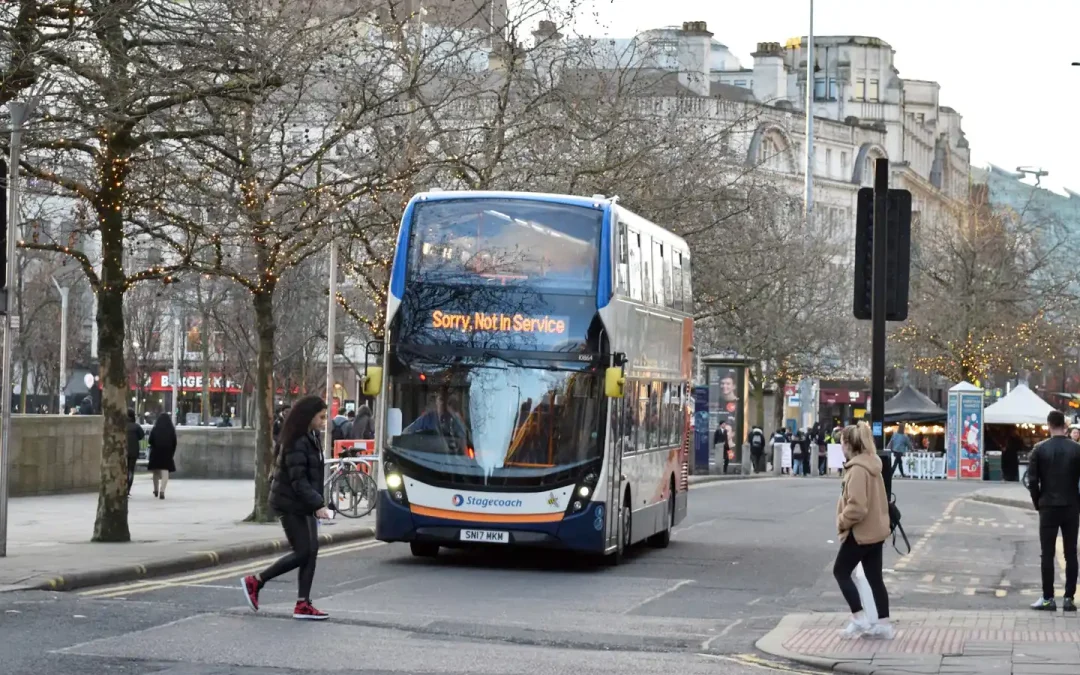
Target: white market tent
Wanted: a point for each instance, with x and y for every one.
(1020, 406)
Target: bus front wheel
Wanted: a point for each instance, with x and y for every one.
(623, 545)
(423, 549)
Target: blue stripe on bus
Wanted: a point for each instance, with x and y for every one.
(603, 284)
(401, 258)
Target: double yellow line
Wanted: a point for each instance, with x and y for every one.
(217, 573)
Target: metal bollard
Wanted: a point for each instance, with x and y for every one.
(777, 458)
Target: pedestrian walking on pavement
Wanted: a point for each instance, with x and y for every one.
(862, 522)
(756, 441)
(1053, 477)
(899, 444)
(135, 435)
(296, 495)
(162, 453)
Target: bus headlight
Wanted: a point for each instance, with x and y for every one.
(393, 481)
(584, 491)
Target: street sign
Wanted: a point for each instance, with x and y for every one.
(877, 428)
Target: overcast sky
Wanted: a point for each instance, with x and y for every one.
(1002, 64)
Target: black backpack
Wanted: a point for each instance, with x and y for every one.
(894, 525)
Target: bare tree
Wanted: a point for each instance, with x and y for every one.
(981, 281)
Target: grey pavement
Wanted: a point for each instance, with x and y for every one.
(49, 537)
(1006, 494)
(749, 553)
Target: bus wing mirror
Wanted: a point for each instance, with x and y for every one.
(372, 381)
(614, 379)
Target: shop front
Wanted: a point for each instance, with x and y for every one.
(842, 403)
(155, 396)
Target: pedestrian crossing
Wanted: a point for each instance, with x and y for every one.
(981, 552)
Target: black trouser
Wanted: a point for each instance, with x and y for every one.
(898, 463)
(303, 535)
(131, 474)
(726, 460)
(851, 554)
(1053, 519)
(757, 460)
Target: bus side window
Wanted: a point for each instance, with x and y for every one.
(643, 424)
(665, 418)
(658, 273)
(623, 280)
(668, 263)
(688, 297)
(675, 410)
(629, 414)
(635, 264)
(647, 289)
(676, 279)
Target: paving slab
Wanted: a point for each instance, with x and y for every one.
(934, 642)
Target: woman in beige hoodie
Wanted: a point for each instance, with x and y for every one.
(862, 520)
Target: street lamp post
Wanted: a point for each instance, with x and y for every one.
(808, 197)
(63, 344)
(18, 111)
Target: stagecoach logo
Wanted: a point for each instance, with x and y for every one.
(553, 500)
(458, 500)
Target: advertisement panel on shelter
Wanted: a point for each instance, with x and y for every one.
(727, 385)
(952, 436)
(971, 411)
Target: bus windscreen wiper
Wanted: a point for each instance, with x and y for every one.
(504, 359)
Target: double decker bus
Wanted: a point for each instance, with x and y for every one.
(534, 379)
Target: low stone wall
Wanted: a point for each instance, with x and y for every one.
(209, 452)
(52, 454)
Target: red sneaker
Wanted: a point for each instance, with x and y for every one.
(250, 585)
(306, 611)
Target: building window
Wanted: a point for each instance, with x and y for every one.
(872, 92)
(828, 162)
(819, 88)
(740, 83)
(860, 89)
(843, 164)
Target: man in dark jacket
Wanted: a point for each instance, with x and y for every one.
(135, 435)
(1054, 483)
(756, 440)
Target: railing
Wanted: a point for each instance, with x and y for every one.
(924, 466)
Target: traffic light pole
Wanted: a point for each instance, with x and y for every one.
(17, 113)
(878, 308)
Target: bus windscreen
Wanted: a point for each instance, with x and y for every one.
(506, 242)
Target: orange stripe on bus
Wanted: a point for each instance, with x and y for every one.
(486, 517)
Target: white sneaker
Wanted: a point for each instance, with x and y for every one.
(882, 631)
(855, 629)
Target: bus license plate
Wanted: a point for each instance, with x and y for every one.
(486, 536)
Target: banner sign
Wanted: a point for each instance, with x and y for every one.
(952, 436)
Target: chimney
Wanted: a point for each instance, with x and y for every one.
(546, 32)
(770, 77)
(694, 51)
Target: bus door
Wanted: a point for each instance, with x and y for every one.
(616, 441)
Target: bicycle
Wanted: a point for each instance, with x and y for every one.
(351, 491)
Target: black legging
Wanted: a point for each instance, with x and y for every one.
(303, 535)
(851, 554)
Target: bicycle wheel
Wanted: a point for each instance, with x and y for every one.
(353, 493)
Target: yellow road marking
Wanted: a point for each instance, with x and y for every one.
(969, 591)
(757, 662)
(216, 573)
(1001, 592)
(929, 579)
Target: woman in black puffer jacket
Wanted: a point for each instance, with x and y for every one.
(296, 495)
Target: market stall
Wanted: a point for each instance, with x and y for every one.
(1014, 425)
(924, 423)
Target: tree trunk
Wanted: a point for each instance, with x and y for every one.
(24, 381)
(263, 301)
(757, 378)
(781, 396)
(111, 524)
